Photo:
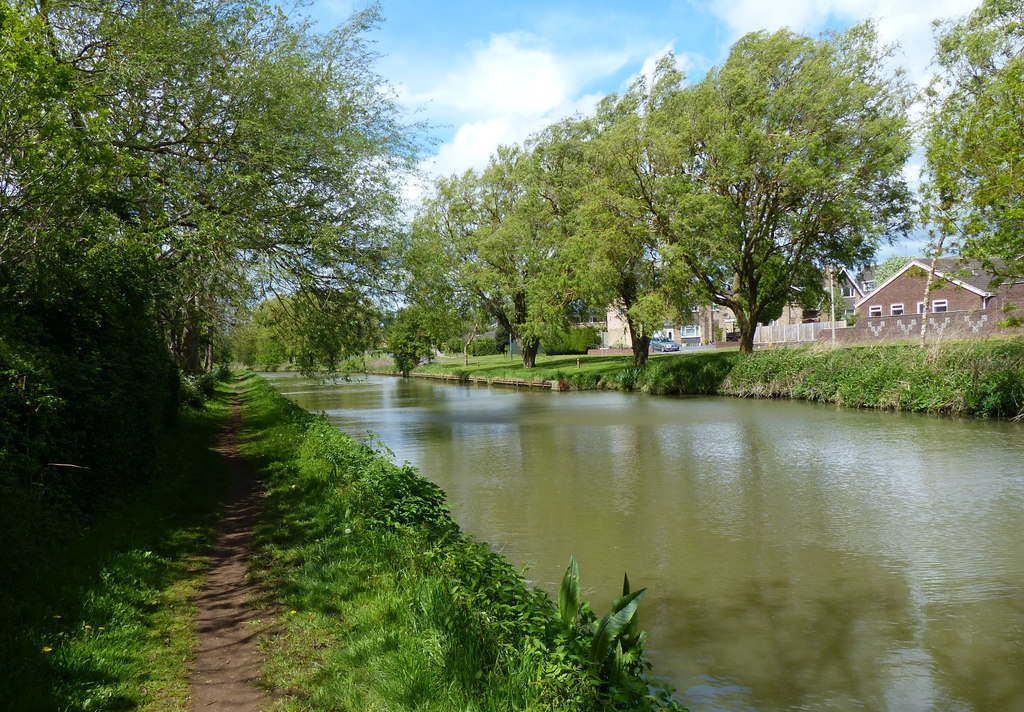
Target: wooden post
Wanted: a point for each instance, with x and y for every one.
(577, 364)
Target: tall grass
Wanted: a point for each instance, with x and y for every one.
(980, 378)
(387, 606)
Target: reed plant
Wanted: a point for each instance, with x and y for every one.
(979, 378)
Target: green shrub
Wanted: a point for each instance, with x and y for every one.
(483, 346)
(575, 341)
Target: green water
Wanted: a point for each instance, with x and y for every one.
(798, 557)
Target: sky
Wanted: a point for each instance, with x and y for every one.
(485, 74)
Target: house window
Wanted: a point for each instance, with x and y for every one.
(875, 311)
(848, 291)
(940, 305)
(869, 285)
(920, 307)
(690, 331)
(895, 309)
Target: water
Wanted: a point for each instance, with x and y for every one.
(797, 556)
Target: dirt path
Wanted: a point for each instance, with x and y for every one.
(227, 660)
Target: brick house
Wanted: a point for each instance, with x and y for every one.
(964, 286)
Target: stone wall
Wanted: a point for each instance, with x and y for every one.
(942, 325)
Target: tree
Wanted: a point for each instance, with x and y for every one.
(974, 185)
(890, 266)
(614, 244)
(489, 238)
(240, 147)
(785, 159)
(408, 340)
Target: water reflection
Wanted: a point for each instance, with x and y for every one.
(798, 556)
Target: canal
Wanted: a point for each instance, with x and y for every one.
(797, 556)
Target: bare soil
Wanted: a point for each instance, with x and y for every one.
(228, 661)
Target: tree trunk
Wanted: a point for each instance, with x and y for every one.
(746, 327)
(529, 348)
(190, 343)
(641, 344)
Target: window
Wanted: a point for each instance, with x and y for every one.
(848, 291)
(920, 307)
(940, 305)
(690, 331)
(875, 311)
(869, 285)
(895, 309)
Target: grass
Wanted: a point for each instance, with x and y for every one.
(102, 620)
(384, 604)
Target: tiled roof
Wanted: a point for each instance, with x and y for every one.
(967, 271)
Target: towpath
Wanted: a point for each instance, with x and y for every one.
(228, 662)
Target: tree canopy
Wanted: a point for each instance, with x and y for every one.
(785, 159)
(236, 144)
(975, 135)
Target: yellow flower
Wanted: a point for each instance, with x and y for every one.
(102, 628)
(88, 627)
(294, 612)
(47, 648)
(58, 616)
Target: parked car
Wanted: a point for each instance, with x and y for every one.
(664, 345)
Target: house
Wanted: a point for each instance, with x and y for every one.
(706, 324)
(855, 286)
(962, 286)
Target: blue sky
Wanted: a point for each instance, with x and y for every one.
(492, 73)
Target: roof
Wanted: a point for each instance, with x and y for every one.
(967, 274)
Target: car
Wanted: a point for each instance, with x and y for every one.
(664, 345)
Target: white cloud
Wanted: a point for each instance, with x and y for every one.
(509, 89)
(907, 23)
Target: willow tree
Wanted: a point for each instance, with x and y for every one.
(615, 243)
(489, 237)
(786, 158)
(975, 136)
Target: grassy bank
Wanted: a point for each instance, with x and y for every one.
(979, 378)
(100, 615)
(386, 606)
(700, 372)
(983, 378)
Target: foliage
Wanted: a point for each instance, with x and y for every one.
(314, 329)
(98, 613)
(611, 174)
(484, 346)
(431, 618)
(789, 158)
(890, 266)
(238, 146)
(975, 135)
(490, 240)
(574, 341)
(408, 340)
